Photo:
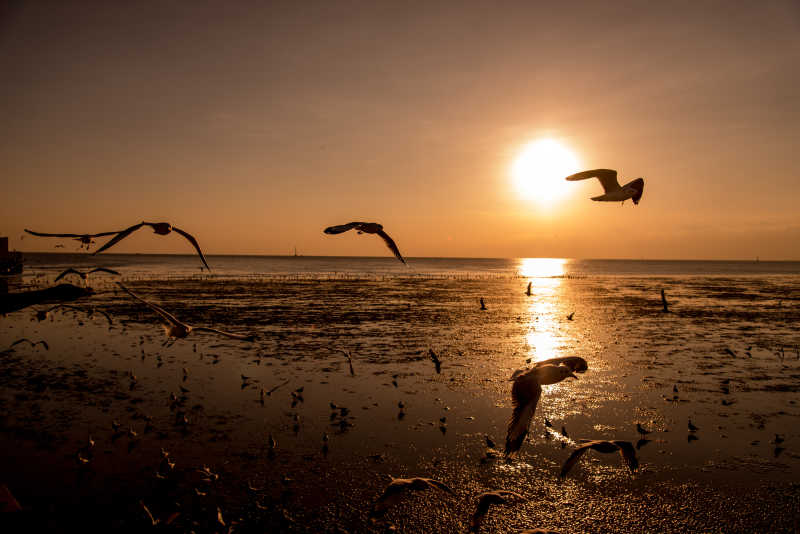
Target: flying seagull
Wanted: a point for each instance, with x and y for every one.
(84, 239)
(85, 275)
(525, 395)
(367, 228)
(625, 449)
(613, 191)
(26, 340)
(485, 500)
(177, 329)
(161, 228)
(398, 486)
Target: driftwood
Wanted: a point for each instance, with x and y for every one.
(11, 302)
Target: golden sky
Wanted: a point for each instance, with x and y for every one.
(254, 125)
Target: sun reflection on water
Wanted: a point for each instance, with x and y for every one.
(543, 339)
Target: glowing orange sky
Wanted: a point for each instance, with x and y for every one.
(256, 126)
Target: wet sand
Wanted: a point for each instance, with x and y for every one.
(732, 478)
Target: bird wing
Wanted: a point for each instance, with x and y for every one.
(524, 408)
(628, 453)
(441, 485)
(392, 246)
(226, 334)
(342, 228)
(607, 177)
(42, 234)
(573, 458)
(104, 270)
(576, 364)
(119, 237)
(484, 501)
(194, 243)
(44, 344)
(65, 273)
(158, 309)
(17, 342)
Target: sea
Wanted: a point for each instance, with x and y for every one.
(722, 359)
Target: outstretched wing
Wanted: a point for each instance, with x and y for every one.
(194, 243)
(104, 270)
(607, 177)
(342, 228)
(390, 243)
(524, 407)
(628, 453)
(573, 459)
(158, 309)
(441, 485)
(576, 364)
(226, 334)
(65, 273)
(117, 238)
(480, 511)
(42, 234)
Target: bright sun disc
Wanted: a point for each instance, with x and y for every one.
(540, 169)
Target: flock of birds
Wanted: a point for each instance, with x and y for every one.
(527, 384)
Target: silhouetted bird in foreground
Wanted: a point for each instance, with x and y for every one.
(367, 228)
(485, 500)
(161, 228)
(85, 275)
(525, 395)
(178, 329)
(613, 192)
(625, 449)
(397, 488)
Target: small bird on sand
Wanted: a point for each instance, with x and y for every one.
(613, 192)
(177, 329)
(483, 304)
(485, 500)
(525, 395)
(641, 430)
(367, 228)
(398, 486)
(160, 228)
(692, 428)
(85, 275)
(625, 448)
(84, 239)
(435, 360)
(664, 301)
(570, 316)
(349, 361)
(528, 291)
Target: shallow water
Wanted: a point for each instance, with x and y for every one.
(388, 319)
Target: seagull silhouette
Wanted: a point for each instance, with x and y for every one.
(525, 395)
(178, 329)
(161, 228)
(398, 486)
(485, 500)
(367, 228)
(26, 340)
(625, 448)
(613, 191)
(85, 275)
(528, 291)
(84, 239)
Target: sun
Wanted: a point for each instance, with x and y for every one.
(539, 170)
